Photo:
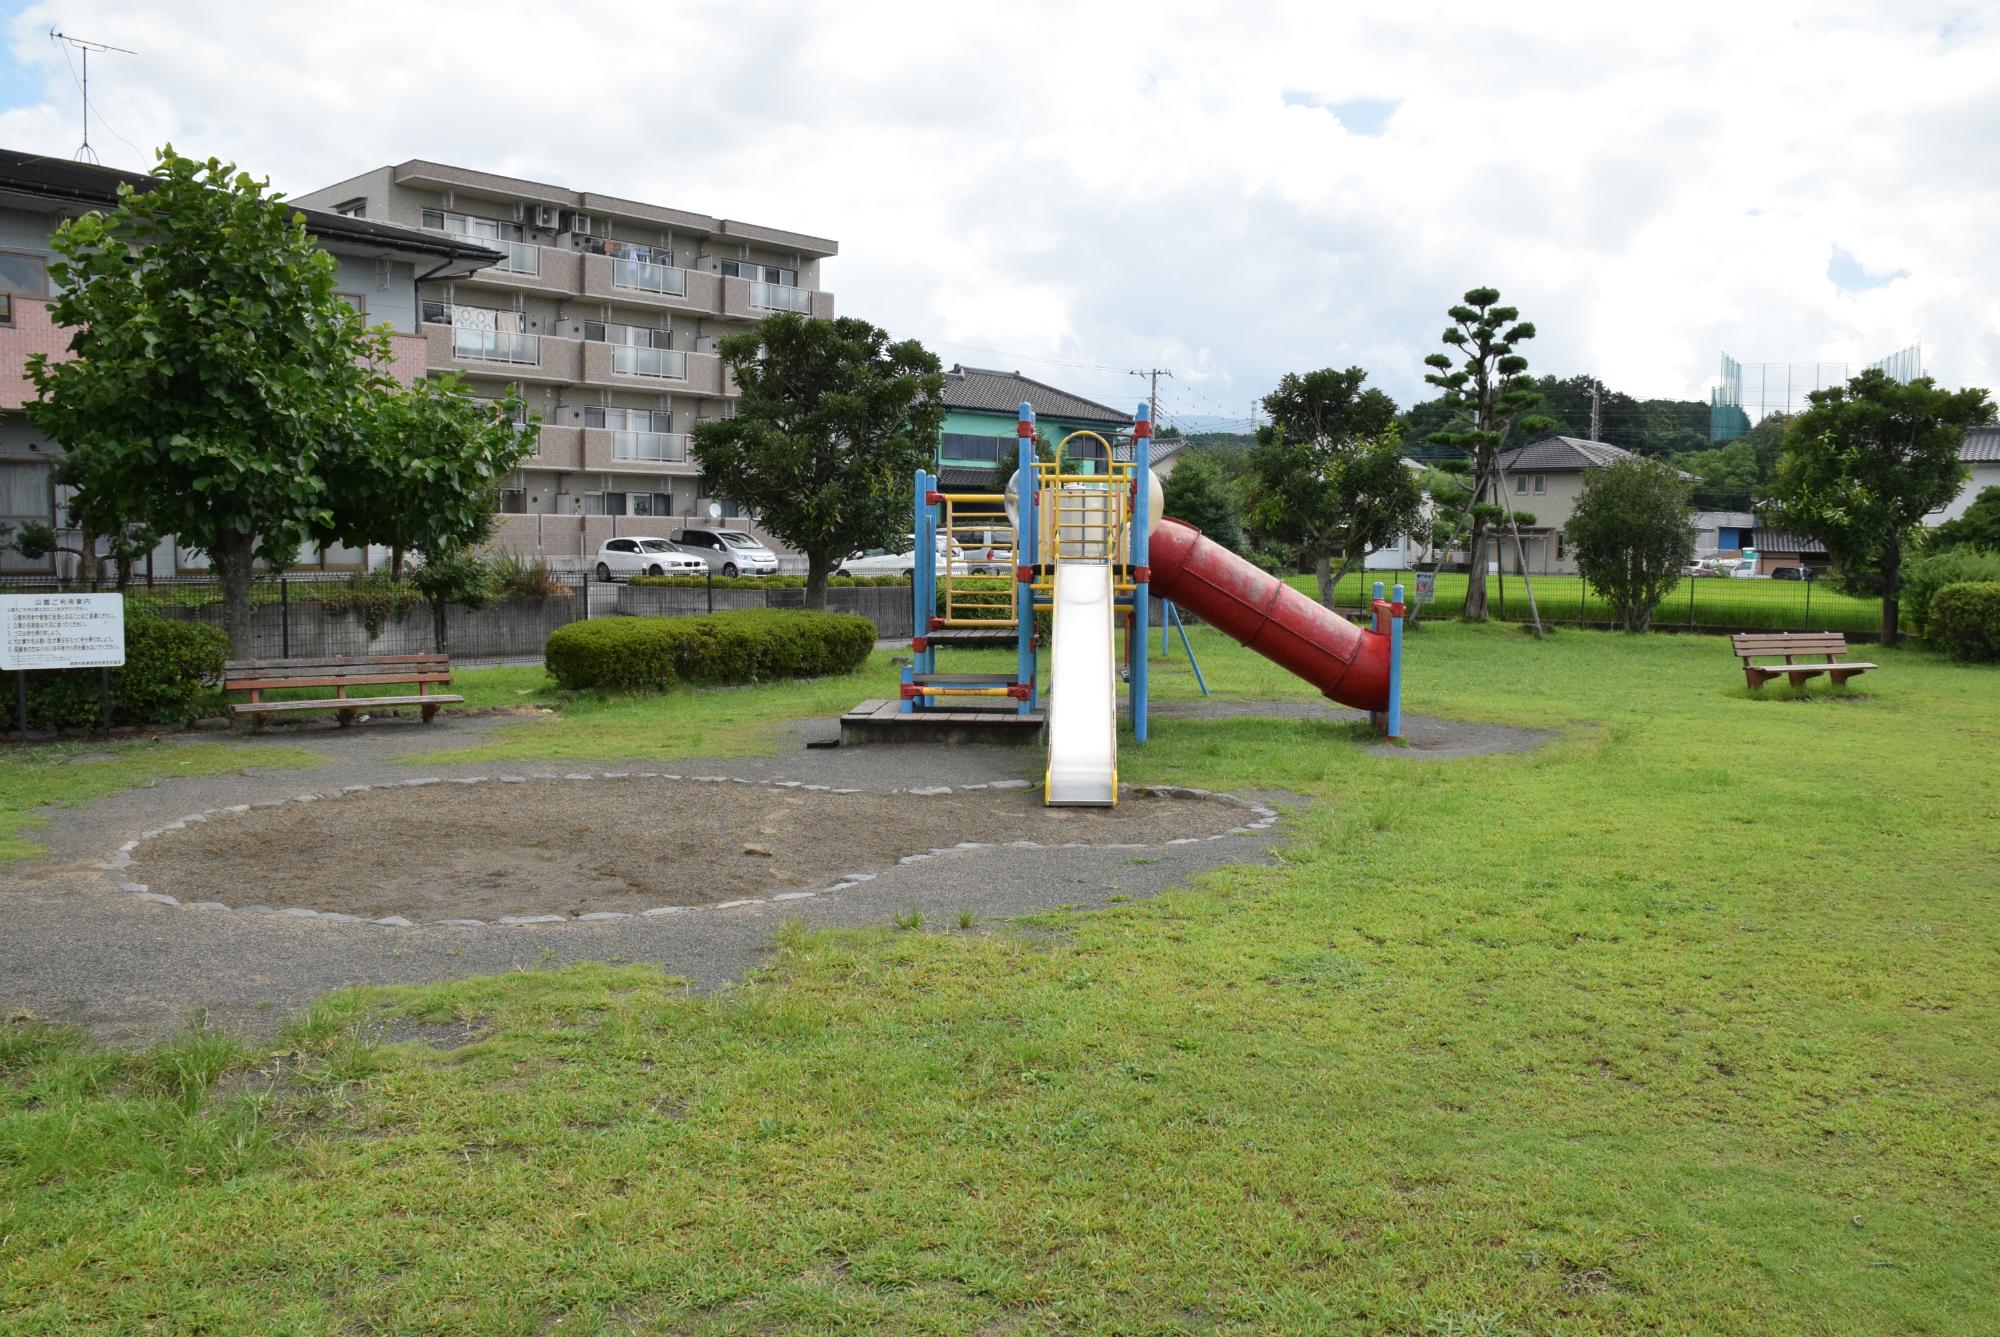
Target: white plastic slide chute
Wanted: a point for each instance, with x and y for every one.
(1083, 695)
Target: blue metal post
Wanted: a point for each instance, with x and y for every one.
(1167, 620)
(1174, 616)
(1376, 613)
(923, 595)
(1142, 577)
(1026, 497)
(1395, 722)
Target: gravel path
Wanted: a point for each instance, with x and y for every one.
(74, 948)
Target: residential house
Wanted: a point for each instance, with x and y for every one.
(1545, 479)
(1723, 532)
(1776, 548)
(983, 408)
(604, 313)
(1981, 457)
(381, 267)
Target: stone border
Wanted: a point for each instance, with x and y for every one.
(114, 867)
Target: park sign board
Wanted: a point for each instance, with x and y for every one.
(1427, 587)
(60, 631)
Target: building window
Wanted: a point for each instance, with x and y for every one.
(27, 275)
(1562, 545)
(628, 420)
(1521, 484)
(513, 501)
(966, 446)
(468, 225)
(637, 336)
(751, 269)
(354, 208)
(1541, 482)
(357, 300)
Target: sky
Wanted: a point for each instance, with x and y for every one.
(1231, 192)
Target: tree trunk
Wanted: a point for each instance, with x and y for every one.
(1323, 573)
(1892, 592)
(818, 567)
(89, 546)
(232, 555)
(396, 563)
(1476, 543)
(438, 610)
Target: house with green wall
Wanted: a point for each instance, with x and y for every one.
(982, 407)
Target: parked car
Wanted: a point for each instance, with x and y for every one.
(901, 559)
(727, 552)
(624, 558)
(1791, 573)
(984, 552)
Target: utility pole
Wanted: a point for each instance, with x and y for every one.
(85, 153)
(1593, 410)
(1153, 375)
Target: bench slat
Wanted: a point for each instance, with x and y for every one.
(373, 680)
(330, 660)
(350, 703)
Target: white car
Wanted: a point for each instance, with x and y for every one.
(621, 559)
(900, 560)
(727, 552)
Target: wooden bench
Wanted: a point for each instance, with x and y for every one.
(1826, 647)
(257, 676)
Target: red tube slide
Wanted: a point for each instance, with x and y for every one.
(1347, 663)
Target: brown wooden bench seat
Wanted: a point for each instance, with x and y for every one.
(1825, 647)
(258, 676)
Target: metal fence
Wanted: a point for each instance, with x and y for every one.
(312, 616)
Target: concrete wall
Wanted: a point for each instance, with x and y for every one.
(889, 607)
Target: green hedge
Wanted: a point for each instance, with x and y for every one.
(1965, 621)
(767, 582)
(753, 645)
(171, 675)
(1924, 577)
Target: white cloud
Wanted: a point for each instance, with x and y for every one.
(1140, 185)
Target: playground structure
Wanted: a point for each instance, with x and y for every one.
(1090, 548)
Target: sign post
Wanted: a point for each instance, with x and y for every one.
(61, 631)
(1427, 585)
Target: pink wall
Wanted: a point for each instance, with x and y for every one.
(31, 332)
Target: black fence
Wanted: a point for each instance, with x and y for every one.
(311, 616)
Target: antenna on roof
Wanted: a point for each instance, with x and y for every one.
(85, 153)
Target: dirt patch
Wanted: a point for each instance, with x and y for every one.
(571, 847)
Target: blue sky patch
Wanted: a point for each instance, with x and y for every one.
(1358, 116)
(1850, 275)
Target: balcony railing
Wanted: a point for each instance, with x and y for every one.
(665, 447)
(635, 360)
(521, 257)
(645, 277)
(495, 346)
(778, 297)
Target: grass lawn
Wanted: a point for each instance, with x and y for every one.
(1709, 601)
(1681, 1023)
(68, 774)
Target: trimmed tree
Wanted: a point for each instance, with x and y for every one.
(1632, 533)
(1489, 394)
(1197, 494)
(832, 423)
(1978, 527)
(1864, 465)
(213, 366)
(1328, 472)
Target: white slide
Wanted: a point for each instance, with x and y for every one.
(1083, 690)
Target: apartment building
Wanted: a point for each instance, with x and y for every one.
(382, 270)
(605, 314)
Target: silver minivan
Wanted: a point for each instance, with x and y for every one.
(728, 552)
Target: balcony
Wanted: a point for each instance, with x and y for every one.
(665, 364)
(753, 299)
(523, 357)
(521, 257)
(778, 297)
(640, 282)
(636, 452)
(557, 448)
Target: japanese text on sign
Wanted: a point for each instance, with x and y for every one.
(52, 631)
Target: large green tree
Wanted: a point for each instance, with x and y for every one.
(423, 475)
(1329, 474)
(1864, 465)
(213, 367)
(1489, 394)
(1632, 534)
(833, 422)
(1198, 493)
(1978, 527)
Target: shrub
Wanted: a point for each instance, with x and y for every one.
(171, 675)
(517, 577)
(1925, 576)
(376, 598)
(753, 645)
(1965, 621)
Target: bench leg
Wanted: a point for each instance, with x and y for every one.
(257, 723)
(1798, 678)
(429, 712)
(1755, 677)
(1839, 677)
(346, 717)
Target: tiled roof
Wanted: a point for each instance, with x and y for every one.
(1121, 448)
(95, 186)
(1771, 540)
(1558, 454)
(1982, 446)
(1724, 519)
(981, 390)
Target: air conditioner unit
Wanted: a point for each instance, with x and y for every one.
(520, 211)
(545, 216)
(580, 222)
